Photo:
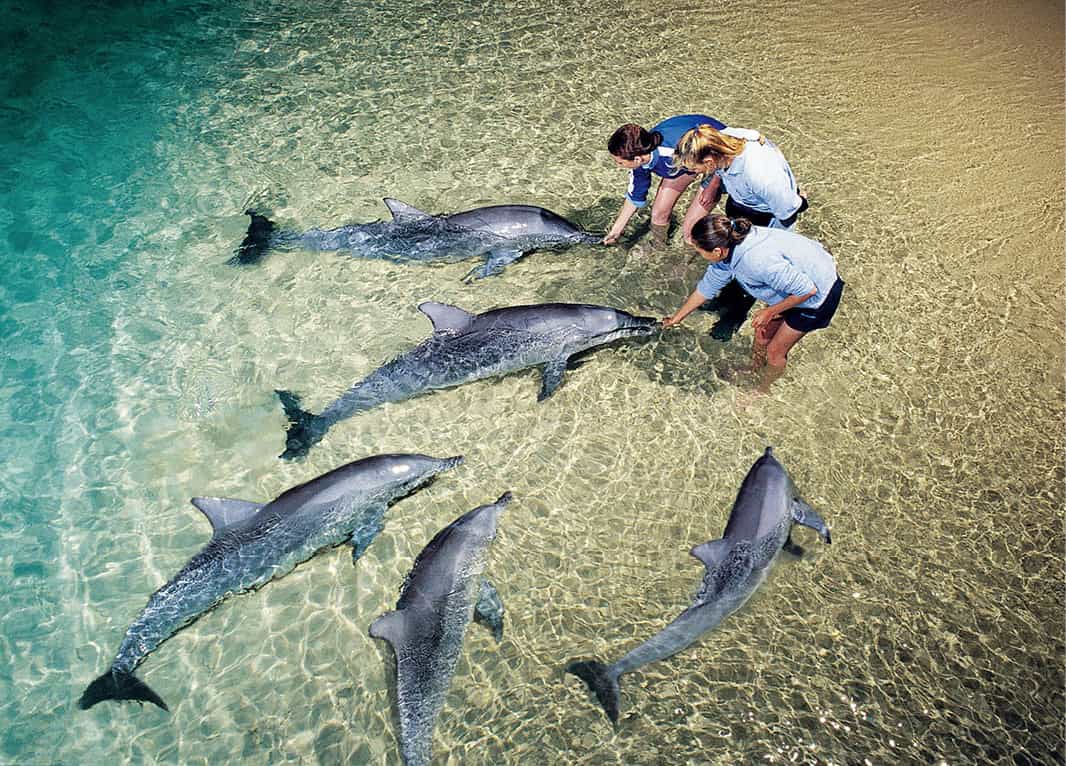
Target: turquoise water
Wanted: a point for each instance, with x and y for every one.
(926, 424)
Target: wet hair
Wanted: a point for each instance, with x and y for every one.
(705, 143)
(713, 231)
(630, 141)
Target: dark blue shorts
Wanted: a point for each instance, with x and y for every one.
(807, 320)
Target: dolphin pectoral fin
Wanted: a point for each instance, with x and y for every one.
(551, 379)
(223, 512)
(390, 627)
(806, 516)
(498, 259)
(488, 610)
(602, 682)
(791, 548)
(401, 211)
(446, 317)
(364, 536)
(712, 553)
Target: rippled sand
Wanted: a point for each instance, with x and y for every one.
(926, 425)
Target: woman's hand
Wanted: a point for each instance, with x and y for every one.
(763, 318)
(707, 197)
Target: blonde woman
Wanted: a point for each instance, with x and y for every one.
(795, 276)
(749, 168)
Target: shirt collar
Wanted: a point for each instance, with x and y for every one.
(736, 167)
(653, 160)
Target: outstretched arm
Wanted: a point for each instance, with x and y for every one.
(692, 303)
(619, 225)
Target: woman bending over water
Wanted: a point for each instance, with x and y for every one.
(645, 153)
(795, 276)
(749, 168)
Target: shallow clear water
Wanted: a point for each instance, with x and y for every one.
(926, 424)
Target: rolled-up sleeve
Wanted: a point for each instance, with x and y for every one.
(714, 279)
(639, 183)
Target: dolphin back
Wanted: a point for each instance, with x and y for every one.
(514, 221)
(426, 630)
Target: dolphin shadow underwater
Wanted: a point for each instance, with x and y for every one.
(758, 529)
(440, 596)
(465, 347)
(498, 234)
(254, 543)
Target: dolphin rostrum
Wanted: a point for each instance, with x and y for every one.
(437, 602)
(466, 347)
(759, 527)
(500, 234)
(254, 543)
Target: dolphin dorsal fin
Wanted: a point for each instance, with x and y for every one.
(401, 211)
(223, 512)
(445, 317)
(711, 553)
(389, 627)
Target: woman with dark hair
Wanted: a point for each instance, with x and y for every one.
(795, 276)
(645, 153)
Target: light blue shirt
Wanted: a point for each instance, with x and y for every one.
(772, 265)
(760, 177)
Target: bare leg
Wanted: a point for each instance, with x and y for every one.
(659, 233)
(776, 351)
(666, 197)
(762, 342)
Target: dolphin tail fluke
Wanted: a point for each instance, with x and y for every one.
(601, 681)
(117, 685)
(305, 428)
(256, 241)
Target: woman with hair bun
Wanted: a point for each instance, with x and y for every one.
(795, 276)
(645, 153)
(749, 168)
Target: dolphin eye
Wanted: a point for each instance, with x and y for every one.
(400, 468)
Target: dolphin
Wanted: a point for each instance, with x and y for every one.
(466, 347)
(437, 603)
(759, 528)
(254, 543)
(500, 234)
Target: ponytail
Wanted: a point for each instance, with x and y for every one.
(630, 141)
(705, 143)
(714, 231)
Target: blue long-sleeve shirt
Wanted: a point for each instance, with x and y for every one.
(772, 265)
(661, 163)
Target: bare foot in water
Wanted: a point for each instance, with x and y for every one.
(748, 396)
